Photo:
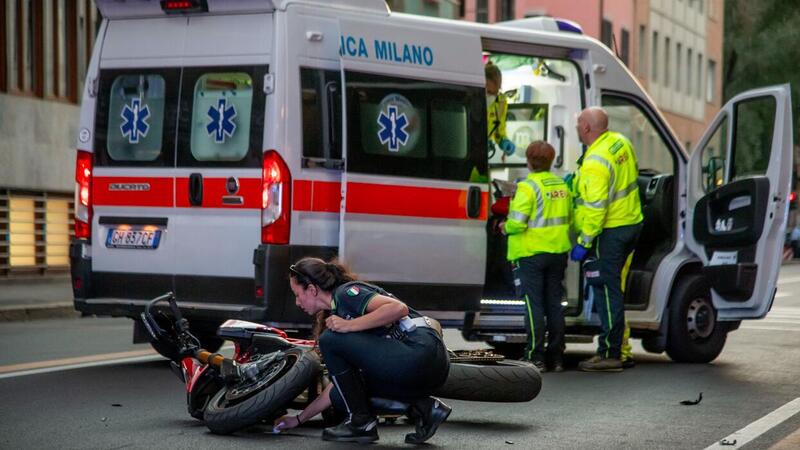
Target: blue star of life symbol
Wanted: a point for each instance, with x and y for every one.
(221, 124)
(135, 124)
(393, 129)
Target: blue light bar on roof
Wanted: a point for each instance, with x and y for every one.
(569, 26)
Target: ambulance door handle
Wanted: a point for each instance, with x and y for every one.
(196, 189)
(474, 202)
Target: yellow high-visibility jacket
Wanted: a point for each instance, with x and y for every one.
(539, 217)
(606, 188)
(496, 118)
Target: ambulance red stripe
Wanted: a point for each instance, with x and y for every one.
(410, 201)
(214, 189)
(132, 191)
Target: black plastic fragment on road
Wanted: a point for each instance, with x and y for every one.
(116, 404)
(693, 402)
(727, 442)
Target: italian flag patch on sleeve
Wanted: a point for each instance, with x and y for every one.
(353, 291)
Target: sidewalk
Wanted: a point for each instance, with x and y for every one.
(36, 298)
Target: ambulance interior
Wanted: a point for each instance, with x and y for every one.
(544, 96)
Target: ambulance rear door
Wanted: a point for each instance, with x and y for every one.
(415, 184)
(218, 187)
(133, 180)
(738, 200)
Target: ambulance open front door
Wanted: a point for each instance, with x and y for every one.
(415, 182)
(738, 194)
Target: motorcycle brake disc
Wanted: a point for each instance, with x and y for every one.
(244, 388)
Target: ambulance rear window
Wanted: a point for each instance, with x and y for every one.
(136, 117)
(221, 116)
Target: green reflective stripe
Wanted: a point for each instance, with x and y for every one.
(615, 148)
(533, 329)
(551, 222)
(518, 216)
(624, 192)
(608, 305)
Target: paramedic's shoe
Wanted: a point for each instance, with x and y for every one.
(628, 363)
(599, 364)
(348, 432)
(431, 412)
(558, 365)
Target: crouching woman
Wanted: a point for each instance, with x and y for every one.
(374, 346)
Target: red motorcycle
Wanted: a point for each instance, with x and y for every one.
(271, 372)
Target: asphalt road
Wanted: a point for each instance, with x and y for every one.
(140, 403)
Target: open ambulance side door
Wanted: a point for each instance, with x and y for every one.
(738, 200)
(415, 185)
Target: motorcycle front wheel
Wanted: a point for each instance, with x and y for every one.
(238, 406)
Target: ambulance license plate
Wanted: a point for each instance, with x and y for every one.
(127, 238)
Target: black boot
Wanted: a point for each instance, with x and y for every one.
(430, 413)
(361, 425)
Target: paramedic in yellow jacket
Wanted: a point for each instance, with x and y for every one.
(538, 243)
(608, 219)
(497, 109)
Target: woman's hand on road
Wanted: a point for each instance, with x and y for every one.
(339, 325)
(285, 423)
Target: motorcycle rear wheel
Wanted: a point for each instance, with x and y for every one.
(224, 417)
(491, 381)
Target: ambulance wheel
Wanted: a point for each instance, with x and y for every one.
(695, 335)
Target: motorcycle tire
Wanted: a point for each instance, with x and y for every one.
(492, 381)
(226, 419)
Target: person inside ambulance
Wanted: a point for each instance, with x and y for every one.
(374, 345)
(497, 109)
(608, 220)
(538, 244)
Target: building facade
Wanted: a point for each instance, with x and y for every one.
(44, 51)
(674, 47)
(447, 9)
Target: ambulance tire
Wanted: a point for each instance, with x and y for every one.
(502, 381)
(265, 403)
(695, 335)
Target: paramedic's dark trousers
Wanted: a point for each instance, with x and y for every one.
(611, 248)
(541, 276)
(396, 369)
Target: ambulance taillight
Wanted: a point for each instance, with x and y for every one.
(275, 199)
(83, 195)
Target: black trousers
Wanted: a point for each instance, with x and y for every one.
(611, 248)
(405, 369)
(541, 278)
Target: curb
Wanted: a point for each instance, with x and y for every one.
(36, 312)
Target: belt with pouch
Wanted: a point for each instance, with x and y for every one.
(408, 325)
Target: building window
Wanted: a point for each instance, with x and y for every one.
(482, 11)
(654, 57)
(625, 39)
(711, 86)
(46, 46)
(642, 51)
(22, 232)
(57, 232)
(667, 62)
(689, 73)
(607, 34)
(699, 91)
(505, 10)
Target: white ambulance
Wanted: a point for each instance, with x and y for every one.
(220, 141)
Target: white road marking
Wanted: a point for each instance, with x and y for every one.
(752, 327)
(759, 427)
(109, 362)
